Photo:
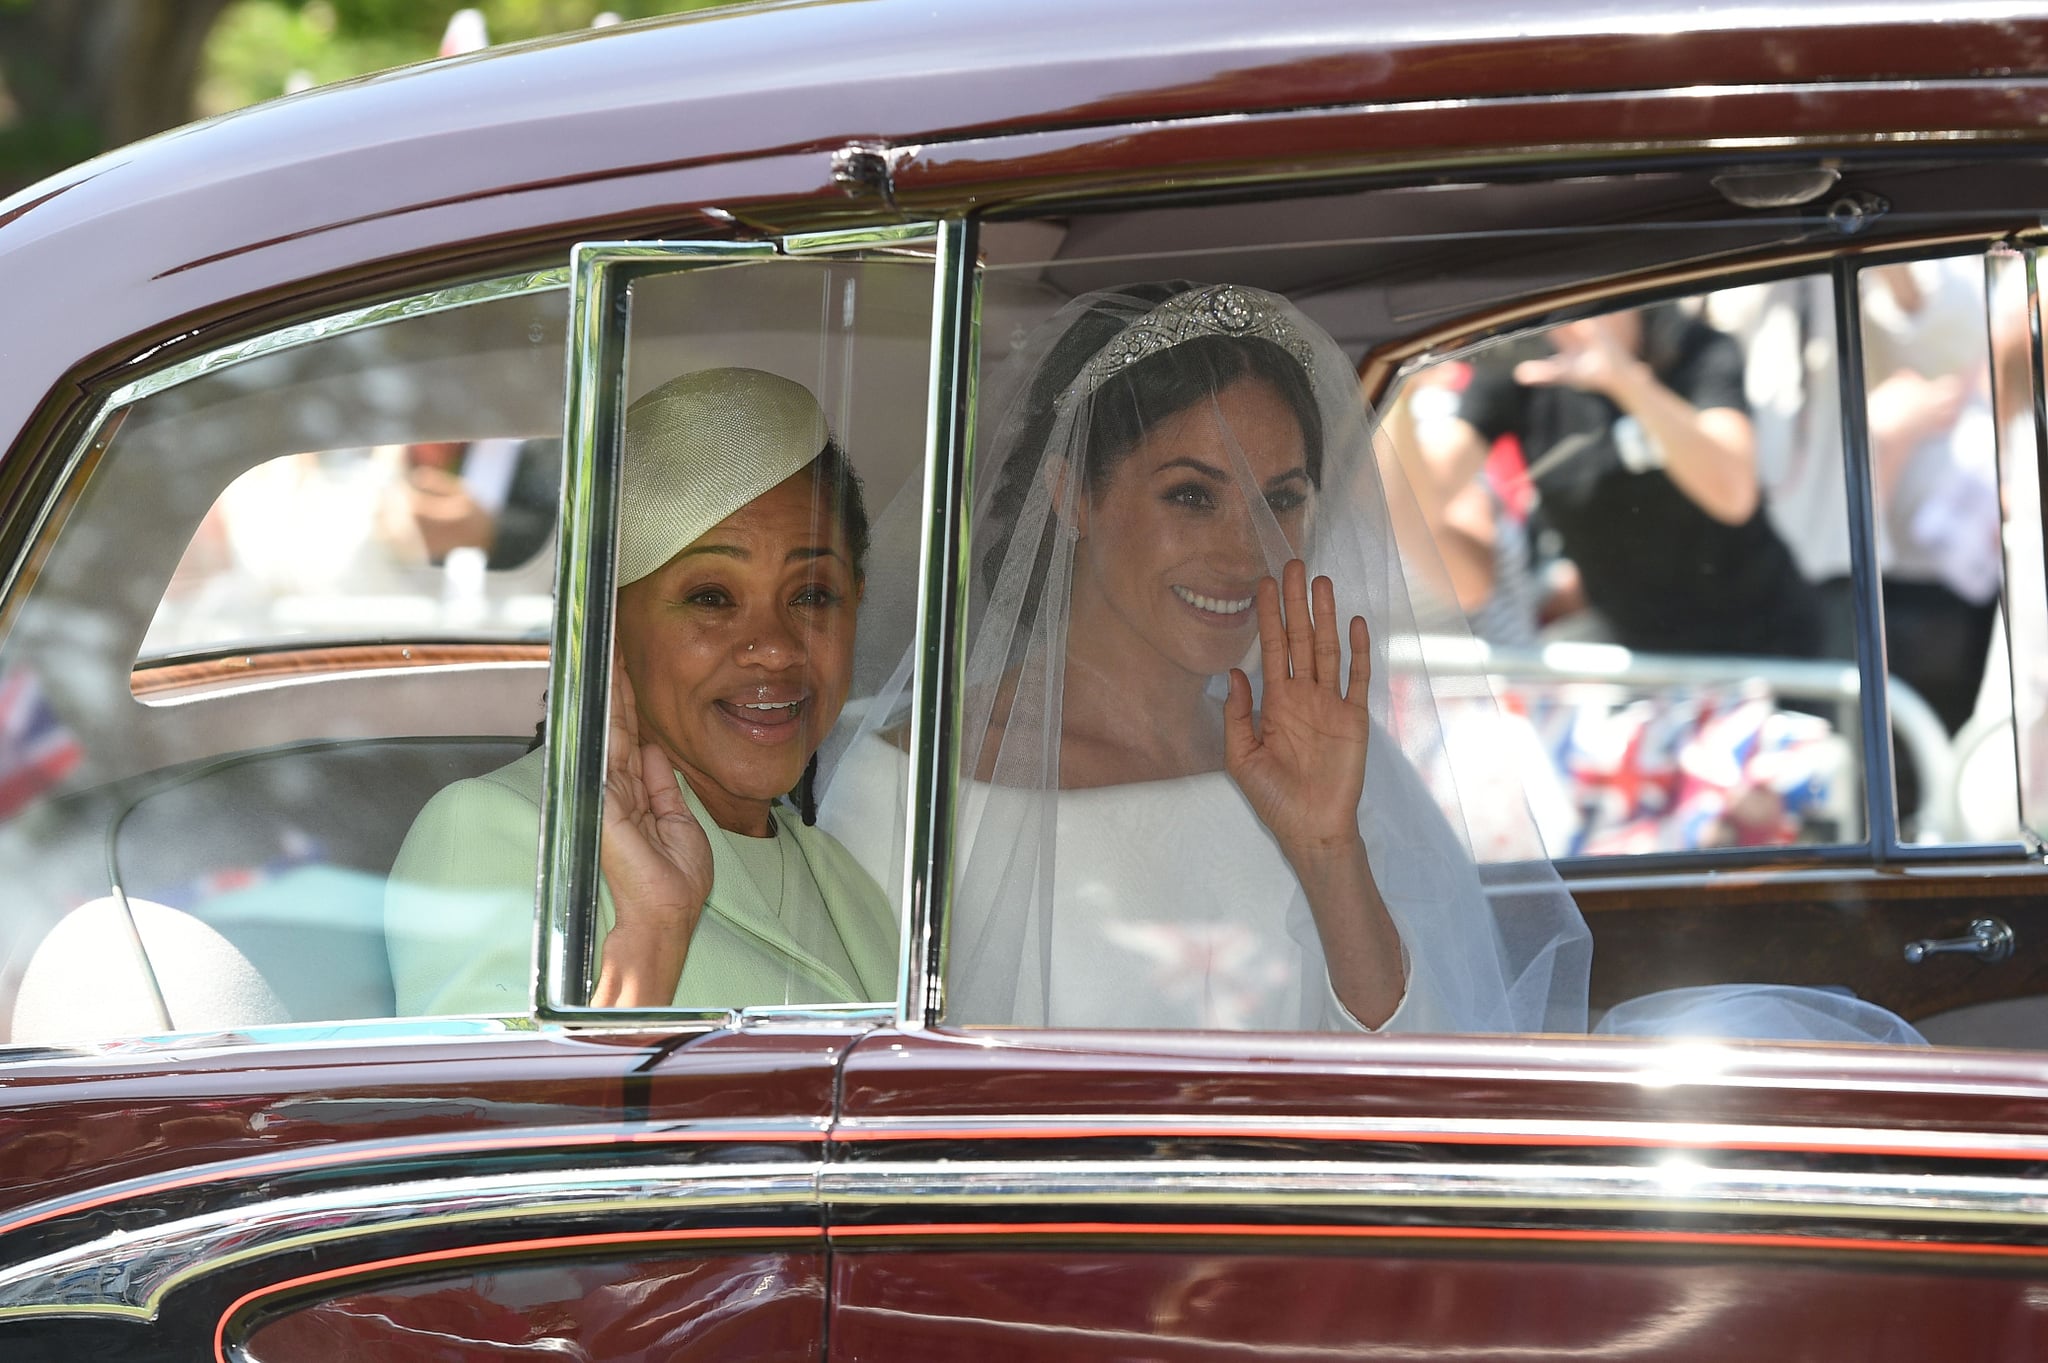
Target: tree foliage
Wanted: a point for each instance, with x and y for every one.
(262, 46)
(85, 75)
(78, 77)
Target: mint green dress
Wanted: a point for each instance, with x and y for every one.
(794, 921)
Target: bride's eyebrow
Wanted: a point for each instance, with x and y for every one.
(1209, 471)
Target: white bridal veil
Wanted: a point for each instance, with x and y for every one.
(1165, 902)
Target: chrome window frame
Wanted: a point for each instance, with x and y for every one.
(564, 949)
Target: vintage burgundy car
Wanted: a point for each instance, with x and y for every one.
(263, 375)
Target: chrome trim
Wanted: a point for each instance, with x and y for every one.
(1507, 1131)
(1880, 785)
(588, 520)
(886, 236)
(356, 319)
(129, 1273)
(940, 649)
(100, 429)
(2039, 407)
(293, 1036)
(221, 690)
(863, 1016)
(1676, 1187)
(1989, 940)
(851, 1016)
(406, 1154)
(564, 954)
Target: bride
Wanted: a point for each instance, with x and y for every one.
(1197, 789)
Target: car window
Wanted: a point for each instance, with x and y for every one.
(449, 539)
(235, 673)
(1673, 624)
(1985, 746)
(1199, 790)
(1614, 575)
(1927, 362)
(772, 421)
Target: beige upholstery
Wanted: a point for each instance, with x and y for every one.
(256, 883)
(88, 981)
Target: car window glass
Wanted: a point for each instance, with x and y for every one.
(201, 841)
(773, 433)
(1656, 658)
(1673, 624)
(1986, 747)
(451, 539)
(1147, 839)
(1935, 489)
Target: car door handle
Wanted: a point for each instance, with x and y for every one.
(1989, 939)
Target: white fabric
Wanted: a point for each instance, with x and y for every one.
(1759, 1012)
(95, 978)
(1063, 892)
(1167, 933)
(1940, 521)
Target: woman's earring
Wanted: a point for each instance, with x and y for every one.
(1072, 532)
(807, 793)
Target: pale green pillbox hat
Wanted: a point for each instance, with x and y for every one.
(700, 447)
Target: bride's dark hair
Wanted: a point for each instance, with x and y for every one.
(1131, 402)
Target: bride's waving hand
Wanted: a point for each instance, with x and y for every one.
(1301, 760)
(1301, 766)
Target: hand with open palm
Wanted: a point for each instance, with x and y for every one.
(1301, 761)
(656, 860)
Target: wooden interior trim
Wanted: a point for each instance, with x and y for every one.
(150, 680)
(1845, 927)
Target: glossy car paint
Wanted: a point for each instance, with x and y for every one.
(149, 1192)
(762, 1306)
(1092, 1196)
(722, 126)
(1413, 1298)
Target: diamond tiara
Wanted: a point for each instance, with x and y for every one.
(1214, 310)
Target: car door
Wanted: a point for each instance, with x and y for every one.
(1025, 1192)
(224, 1137)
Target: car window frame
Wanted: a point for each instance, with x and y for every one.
(577, 706)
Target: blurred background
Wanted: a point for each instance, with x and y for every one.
(79, 77)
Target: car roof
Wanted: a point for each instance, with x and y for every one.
(505, 155)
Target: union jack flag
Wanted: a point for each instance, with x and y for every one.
(36, 751)
(1697, 768)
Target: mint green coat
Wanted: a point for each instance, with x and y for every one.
(460, 906)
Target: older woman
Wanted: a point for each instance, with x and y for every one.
(741, 543)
